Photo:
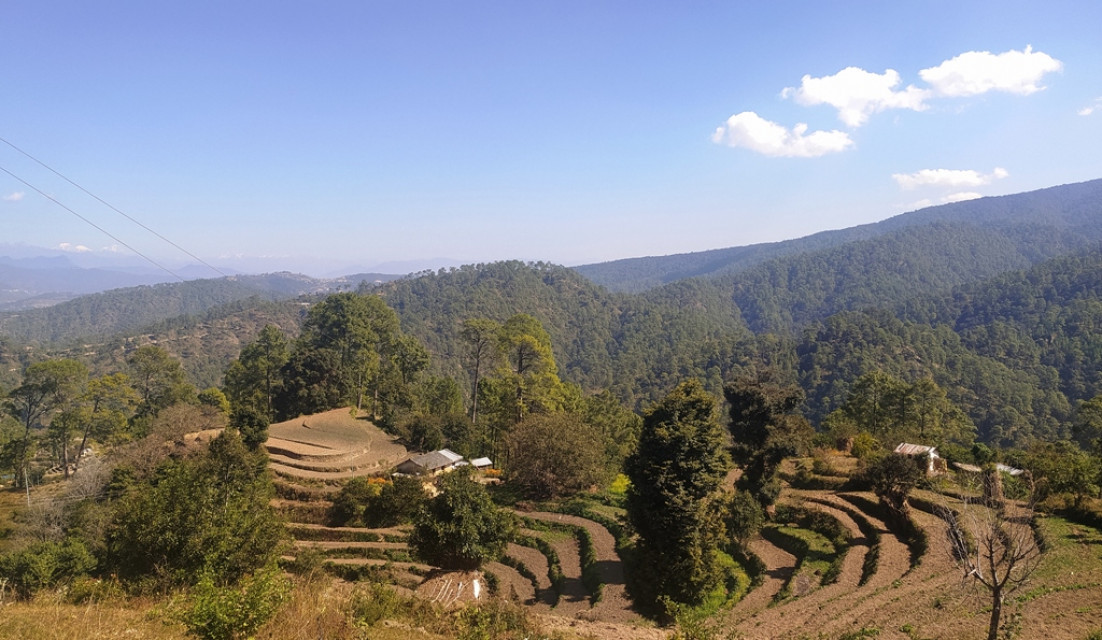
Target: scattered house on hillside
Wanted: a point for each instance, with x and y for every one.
(431, 464)
(934, 463)
(482, 463)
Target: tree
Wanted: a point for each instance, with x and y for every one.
(676, 474)
(479, 337)
(110, 401)
(526, 350)
(617, 426)
(1087, 426)
(159, 380)
(893, 410)
(765, 430)
(252, 425)
(556, 454)
(209, 514)
(994, 547)
(397, 502)
(892, 478)
(255, 378)
(460, 528)
(353, 327)
(47, 387)
(214, 398)
(931, 418)
(525, 382)
(877, 403)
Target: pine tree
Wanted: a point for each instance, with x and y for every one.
(676, 475)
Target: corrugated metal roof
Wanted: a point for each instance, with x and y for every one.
(450, 455)
(432, 461)
(909, 449)
(479, 463)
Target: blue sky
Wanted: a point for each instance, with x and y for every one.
(327, 135)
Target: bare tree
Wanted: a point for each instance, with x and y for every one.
(994, 545)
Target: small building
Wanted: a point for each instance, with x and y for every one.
(934, 463)
(432, 464)
(482, 463)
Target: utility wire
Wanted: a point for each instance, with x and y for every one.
(112, 207)
(93, 224)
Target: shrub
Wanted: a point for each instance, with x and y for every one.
(348, 505)
(461, 527)
(397, 502)
(227, 613)
(45, 565)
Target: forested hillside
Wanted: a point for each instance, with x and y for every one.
(125, 310)
(1012, 342)
(1042, 224)
(635, 345)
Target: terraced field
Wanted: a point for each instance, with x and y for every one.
(837, 568)
(330, 447)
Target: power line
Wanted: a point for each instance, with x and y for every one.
(112, 207)
(93, 224)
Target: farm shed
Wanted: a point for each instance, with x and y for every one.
(934, 462)
(430, 463)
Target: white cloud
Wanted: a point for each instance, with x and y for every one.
(749, 130)
(73, 248)
(976, 72)
(1091, 108)
(857, 94)
(950, 178)
(961, 196)
(15, 196)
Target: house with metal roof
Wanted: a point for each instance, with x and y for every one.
(433, 463)
(934, 462)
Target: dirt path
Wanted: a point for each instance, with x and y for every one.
(574, 598)
(350, 531)
(779, 565)
(803, 612)
(512, 585)
(537, 564)
(343, 544)
(581, 628)
(614, 605)
(840, 607)
(895, 556)
(895, 586)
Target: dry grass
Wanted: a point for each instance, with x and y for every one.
(337, 429)
(48, 618)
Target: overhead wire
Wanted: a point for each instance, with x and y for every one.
(93, 224)
(109, 206)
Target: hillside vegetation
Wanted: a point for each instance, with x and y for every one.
(1043, 224)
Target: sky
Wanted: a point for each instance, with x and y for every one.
(334, 136)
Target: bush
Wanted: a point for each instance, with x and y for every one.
(208, 515)
(45, 565)
(397, 502)
(743, 516)
(227, 613)
(461, 527)
(373, 604)
(86, 590)
(348, 504)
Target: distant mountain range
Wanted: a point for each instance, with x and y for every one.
(1040, 224)
(35, 277)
